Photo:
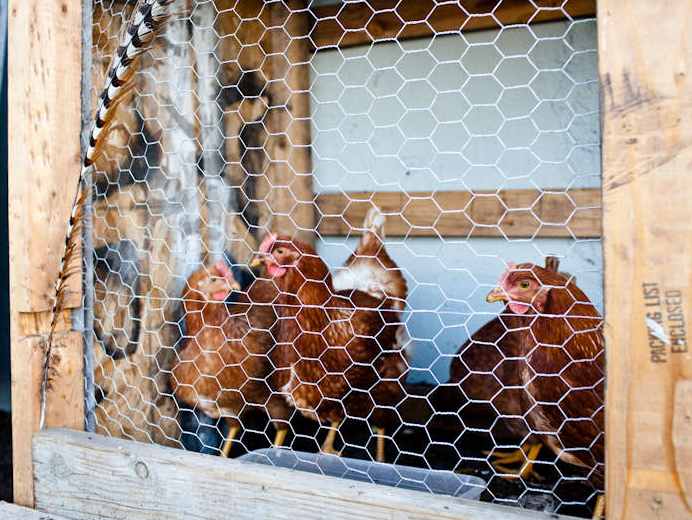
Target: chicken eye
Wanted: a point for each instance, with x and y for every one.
(280, 251)
(524, 284)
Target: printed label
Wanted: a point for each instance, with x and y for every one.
(665, 322)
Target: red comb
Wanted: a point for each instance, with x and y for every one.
(267, 243)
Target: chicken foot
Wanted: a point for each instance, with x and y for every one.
(526, 456)
(381, 438)
(599, 508)
(232, 432)
(280, 437)
(328, 445)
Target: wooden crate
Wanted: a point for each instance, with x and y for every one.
(645, 54)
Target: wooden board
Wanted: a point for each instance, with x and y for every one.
(44, 145)
(88, 476)
(44, 151)
(289, 172)
(511, 213)
(646, 82)
(360, 23)
(14, 512)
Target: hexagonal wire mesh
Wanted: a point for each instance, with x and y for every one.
(472, 129)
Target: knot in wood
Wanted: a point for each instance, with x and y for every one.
(142, 470)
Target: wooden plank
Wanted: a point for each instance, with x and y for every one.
(289, 173)
(362, 23)
(44, 150)
(44, 145)
(14, 512)
(88, 476)
(646, 86)
(682, 437)
(511, 213)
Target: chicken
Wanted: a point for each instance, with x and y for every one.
(370, 269)
(557, 330)
(223, 366)
(488, 368)
(328, 341)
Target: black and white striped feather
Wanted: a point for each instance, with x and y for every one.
(147, 21)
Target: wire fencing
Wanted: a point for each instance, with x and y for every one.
(367, 229)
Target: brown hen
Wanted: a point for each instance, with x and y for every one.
(370, 269)
(487, 369)
(554, 326)
(223, 366)
(327, 342)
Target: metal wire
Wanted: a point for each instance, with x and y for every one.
(479, 148)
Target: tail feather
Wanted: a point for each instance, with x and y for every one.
(374, 222)
(149, 18)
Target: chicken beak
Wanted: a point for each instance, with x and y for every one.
(256, 262)
(496, 295)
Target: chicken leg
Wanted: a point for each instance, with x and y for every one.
(380, 433)
(280, 437)
(599, 508)
(328, 445)
(232, 432)
(526, 456)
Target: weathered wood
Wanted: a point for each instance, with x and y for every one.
(289, 174)
(511, 213)
(44, 151)
(44, 146)
(210, 115)
(682, 437)
(88, 476)
(14, 512)
(364, 22)
(647, 152)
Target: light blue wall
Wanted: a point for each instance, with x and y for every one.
(516, 108)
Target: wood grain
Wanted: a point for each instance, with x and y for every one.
(44, 69)
(14, 512)
(289, 173)
(509, 213)
(88, 476)
(44, 146)
(647, 158)
(682, 437)
(362, 23)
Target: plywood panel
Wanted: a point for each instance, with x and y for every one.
(647, 153)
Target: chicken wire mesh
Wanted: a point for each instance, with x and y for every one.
(430, 144)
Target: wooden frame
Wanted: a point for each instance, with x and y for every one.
(647, 153)
(647, 233)
(44, 161)
(160, 483)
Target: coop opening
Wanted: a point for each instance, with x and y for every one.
(360, 239)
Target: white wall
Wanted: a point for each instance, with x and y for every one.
(515, 108)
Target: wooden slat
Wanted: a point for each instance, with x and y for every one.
(14, 512)
(364, 22)
(289, 172)
(646, 83)
(510, 213)
(87, 476)
(44, 148)
(44, 145)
